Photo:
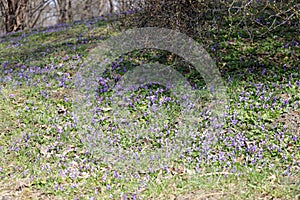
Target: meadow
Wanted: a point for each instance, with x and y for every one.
(42, 155)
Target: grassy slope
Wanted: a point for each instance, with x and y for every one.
(41, 155)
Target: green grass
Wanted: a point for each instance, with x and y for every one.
(42, 155)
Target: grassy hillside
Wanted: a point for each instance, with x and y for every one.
(42, 156)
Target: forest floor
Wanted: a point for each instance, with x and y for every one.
(44, 156)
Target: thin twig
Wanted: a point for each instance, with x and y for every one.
(217, 173)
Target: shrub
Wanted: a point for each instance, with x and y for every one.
(204, 18)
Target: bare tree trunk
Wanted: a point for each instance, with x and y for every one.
(111, 5)
(34, 11)
(13, 14)
(62, 12)
(106, 7)
(69, 10)
(64, 9)
(102, 6)
(20, 14)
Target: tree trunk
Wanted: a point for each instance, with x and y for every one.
(64, 8)
(34, 12)
(13, 14)
(106, 7)
(62, 12)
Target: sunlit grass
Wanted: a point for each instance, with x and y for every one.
(42, 154)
